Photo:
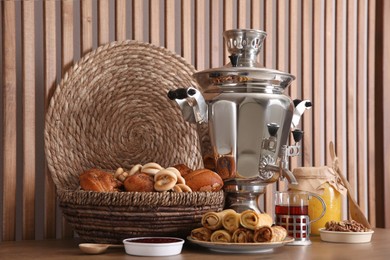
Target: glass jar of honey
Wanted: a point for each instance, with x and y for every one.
(325, 182)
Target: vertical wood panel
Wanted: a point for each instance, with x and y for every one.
(371, 150)
(9, 121)
(50, 70)
(155, 7)
(67, 62)
(361, 105)
(200, 31)
(268, 48)
(170, 25)
(216, 35)
(86, 26)
(282, 30)
(242, 14)
(29, 121)
(103, 21)
(295, 53)
(307, 80)
(186, 38)
(386, 110)
(67, 34)
(138, 16)
(228, 23)
(329, 79)
(257, 22)
(341, 85)
(318, 81)
(351, 94)
(120, 20)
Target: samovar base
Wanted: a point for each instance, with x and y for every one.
(241, 197)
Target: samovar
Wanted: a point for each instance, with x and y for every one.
(249, 119)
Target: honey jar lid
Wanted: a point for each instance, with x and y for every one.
(312, 179)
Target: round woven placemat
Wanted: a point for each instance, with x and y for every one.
(111, 110)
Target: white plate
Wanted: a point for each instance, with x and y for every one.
(241, 248)
(345, 237)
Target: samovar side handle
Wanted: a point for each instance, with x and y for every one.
(192, 104)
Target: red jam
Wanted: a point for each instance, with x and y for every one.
(155, 240)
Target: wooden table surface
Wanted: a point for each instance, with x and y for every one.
(378, 248)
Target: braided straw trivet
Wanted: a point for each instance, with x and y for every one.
(111, 110)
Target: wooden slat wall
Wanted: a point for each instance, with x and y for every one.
(335, 48)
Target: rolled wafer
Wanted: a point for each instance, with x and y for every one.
(270, 234)
(242, 235)
(263, 234)
(231, 221)
(201, 234)
(221, 236)
(279, 233)
(252, 220)
(213, 220)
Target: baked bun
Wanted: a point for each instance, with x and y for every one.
(204, 180)
(183, 169)
(99, 180)
(139, 182)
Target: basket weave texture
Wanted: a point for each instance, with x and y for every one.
(111, 110)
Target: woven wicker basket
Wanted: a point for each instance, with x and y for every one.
(111, 110)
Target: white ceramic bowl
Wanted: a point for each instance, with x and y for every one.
(345, 237)
(153, 246)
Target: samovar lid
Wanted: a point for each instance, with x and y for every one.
(243, 70)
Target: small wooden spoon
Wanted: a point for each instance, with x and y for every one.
(95, 249)
(354, 209)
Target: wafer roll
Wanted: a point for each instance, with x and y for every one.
(263, 234)
(221, 236)
(231, 221)
(279, 233)
(252, 220)
(270, 234)
(213, 220)
(242, 235)
(201, 234)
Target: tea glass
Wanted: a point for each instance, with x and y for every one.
(292, 213)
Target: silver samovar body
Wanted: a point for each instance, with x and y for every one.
(249, 119)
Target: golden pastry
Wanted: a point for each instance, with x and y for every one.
(201, 234)
(251, 219)
(221, 236)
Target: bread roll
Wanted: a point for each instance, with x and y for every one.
(98, 180)
(204, 180)
(183, 169)
(139, 182)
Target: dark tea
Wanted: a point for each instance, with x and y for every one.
(292, 210)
